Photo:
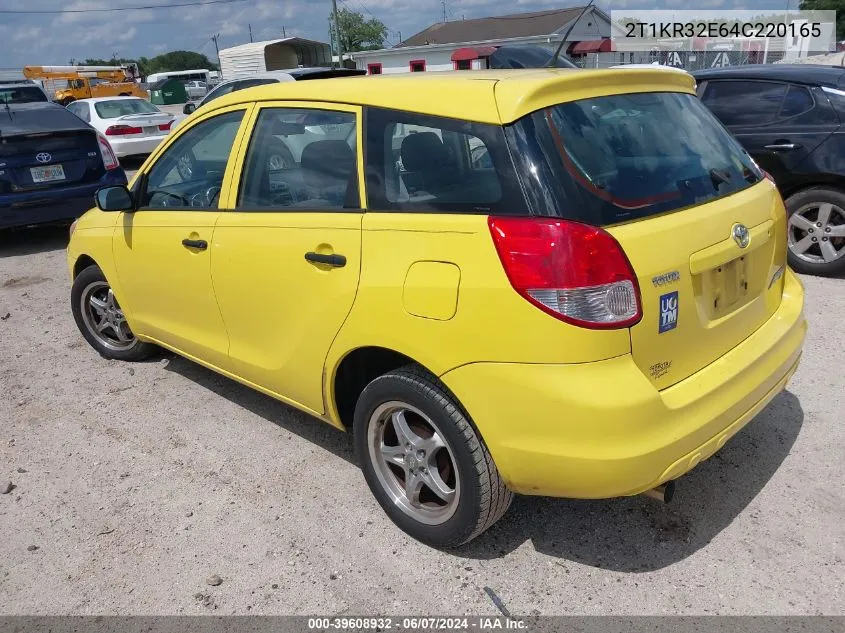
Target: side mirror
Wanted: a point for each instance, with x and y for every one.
(189, 108)
(116, 198)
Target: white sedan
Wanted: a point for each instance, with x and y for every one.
(132, 126)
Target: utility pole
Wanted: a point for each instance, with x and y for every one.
(443, 5)
(250, 32)
(283, 31)
(337, 35)
(217, 49)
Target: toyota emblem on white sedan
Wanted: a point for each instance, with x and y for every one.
(740, 235)
(43, 157)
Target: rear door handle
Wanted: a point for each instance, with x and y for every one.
(338, 261)
(198, 244)
(782, 146)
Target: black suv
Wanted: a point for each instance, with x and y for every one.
(790, 120)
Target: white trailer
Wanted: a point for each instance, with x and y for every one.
(259, 57)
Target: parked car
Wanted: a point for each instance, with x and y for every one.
(51, 162)
(133, 126)
(274, 76)
(790, 119)
(21, 91)
(196, 89)
(589, 314)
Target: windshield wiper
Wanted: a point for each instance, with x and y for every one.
(718, 177)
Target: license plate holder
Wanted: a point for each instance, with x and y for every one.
(729, 285)
(47, 173)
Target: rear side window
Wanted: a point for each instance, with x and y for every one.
(798, 100)
(621, 157)
(438, 165)
(745, 102)
(22, 94)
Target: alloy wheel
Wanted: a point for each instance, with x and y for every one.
(413, 462)
(104, 318)
(816, 233)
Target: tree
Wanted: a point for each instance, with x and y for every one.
(828, 5)
(358, 34)
(180, 60)
(175, 60)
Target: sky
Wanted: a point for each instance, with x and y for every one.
(27, 39)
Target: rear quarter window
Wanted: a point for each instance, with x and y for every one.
(430, 164)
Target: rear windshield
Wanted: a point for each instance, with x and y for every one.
(123, 107)
(22, 94)
(621, 157)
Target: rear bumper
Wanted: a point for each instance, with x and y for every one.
(599, 430)
(135, 146)
(53, 205)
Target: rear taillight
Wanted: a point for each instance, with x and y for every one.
(122, 130)
(164, 127)
(109, 159)
(575, 272)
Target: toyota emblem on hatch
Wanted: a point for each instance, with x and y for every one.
(741, 235)
(43, 157)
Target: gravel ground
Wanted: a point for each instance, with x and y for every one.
(135, 484)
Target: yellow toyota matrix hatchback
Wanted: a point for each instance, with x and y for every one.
(568, 283)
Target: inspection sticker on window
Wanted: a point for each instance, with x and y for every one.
(668, 312)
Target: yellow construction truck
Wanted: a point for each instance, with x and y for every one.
(69, 83)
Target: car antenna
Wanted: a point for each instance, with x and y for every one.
(553, 60)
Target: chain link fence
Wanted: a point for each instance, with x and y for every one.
(688, 60)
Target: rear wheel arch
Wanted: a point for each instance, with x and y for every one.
(355, 371)
(361, 366)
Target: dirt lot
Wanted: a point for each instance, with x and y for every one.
(134, 484)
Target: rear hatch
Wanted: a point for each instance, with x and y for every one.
(45, 147)
(701, 226)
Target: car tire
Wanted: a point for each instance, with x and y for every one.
(100, 319)
(816, 213)
(453, 457)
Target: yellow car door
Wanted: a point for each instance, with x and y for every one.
(286, 258)
(162, 249)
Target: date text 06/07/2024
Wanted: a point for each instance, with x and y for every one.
(720, 29)
(402, 624)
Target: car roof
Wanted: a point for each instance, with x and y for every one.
(485, 96)
(114, 98)
(295, 73)
(34, 118)
(808, 74)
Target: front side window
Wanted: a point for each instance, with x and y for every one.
(301, 159)
(190, 172)
(744, 102)
(621, 157)
(434, 164)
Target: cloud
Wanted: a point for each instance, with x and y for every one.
(150, 32)
(28, 36)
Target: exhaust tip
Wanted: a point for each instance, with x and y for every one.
(663, 492)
